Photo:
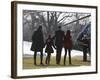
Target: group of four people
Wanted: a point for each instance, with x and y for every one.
(60, 39)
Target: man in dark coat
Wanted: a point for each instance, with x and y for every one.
(86, 47)
(59, 39)
(85, 44)
(38, 44)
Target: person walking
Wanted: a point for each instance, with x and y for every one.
(38, 44)
(49, 49)
(67, 46)
(59, 38)
(86, 46)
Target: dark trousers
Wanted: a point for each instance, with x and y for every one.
(58, 55)
(41, 57)
(84, 53)
(69, 53)
(48, 58)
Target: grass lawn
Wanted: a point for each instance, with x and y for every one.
(76, 61)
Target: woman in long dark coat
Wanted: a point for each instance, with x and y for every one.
(38, 44)
(49, 49)
(68, 46)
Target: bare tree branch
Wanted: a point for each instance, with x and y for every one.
(76, 20)
(64, 18)
(59, 15)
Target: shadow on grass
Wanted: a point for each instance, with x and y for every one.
(52, 65)
(76, 62)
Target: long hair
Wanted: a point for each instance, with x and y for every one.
(68, 34)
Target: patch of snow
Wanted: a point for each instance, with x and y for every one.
(27, 52)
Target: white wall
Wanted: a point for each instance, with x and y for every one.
(5, 40)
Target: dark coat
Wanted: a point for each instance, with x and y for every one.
(68, 42)
(37, 41)
(49, 44)
(59, 38)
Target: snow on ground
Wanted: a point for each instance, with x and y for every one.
(28, 53)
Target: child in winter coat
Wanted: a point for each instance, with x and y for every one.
(49, 49)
